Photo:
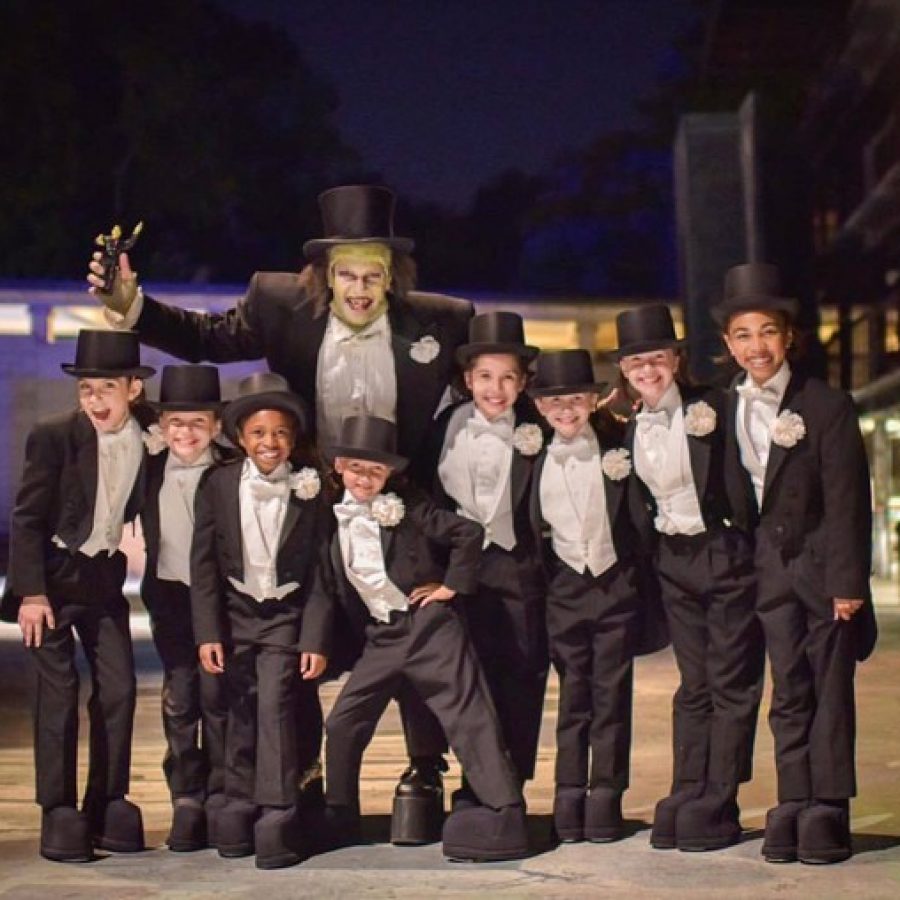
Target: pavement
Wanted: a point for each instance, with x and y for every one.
(629, 868)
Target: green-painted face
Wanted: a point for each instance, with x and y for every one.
(359, 277)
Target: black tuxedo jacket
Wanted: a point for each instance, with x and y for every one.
(222, 614)
(56, 497)
(628, 520)
(817, 504)
(278, 322)
(719, 485)
(520, 474)
(429, 544)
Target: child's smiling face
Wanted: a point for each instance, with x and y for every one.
(364, 478)
(495, 380)
(267, 437)
(651, 373)
(107, 401)
(567, 414)
(189, 433)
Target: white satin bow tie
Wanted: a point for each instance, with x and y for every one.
(577, 448)
(647, 418)
(502, 428)
(750, 391)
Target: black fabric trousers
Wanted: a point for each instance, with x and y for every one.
(591, 622)
(813, 663)
(506, 621)
(708, 590)
(428, 650)
(102, 628)
(261, 741)
(194, 707)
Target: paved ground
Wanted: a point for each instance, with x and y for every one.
(626, 869)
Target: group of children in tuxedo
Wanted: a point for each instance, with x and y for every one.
(552, 533)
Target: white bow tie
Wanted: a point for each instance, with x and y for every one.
(647, 418)
(347, 512)
(577, 448)
(262, 488)
(752, 392)
(502, 428)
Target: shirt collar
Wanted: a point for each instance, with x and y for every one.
(777, 383)
(251, 471)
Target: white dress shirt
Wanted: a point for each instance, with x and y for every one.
(355, 375)
(263, 504)
(119, 458)
(359, 536)
(662, 460)
(757, 409)
(176, 516)
(573, 503)
(474, 468)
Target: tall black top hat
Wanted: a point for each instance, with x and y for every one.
(645, 328)
(189, 388)
(369, 438)
(357, 214)
(564, 372)
(752, 287)
(495, 332)
(261, 390)
(101, 353)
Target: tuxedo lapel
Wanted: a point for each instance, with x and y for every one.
(699, 448)
(156, 467)
(291, 516)
(86, 452)
(311, 322)
(230, 499)
(387, 542)
(792, 400)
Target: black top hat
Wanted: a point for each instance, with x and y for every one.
(370, 438)
(100, 353)
(564, 372)
(261, 390)
(645, 328)
(189, 388)
(752, 287)
(357, 214)
(495, 332)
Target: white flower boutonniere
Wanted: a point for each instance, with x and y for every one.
(528, 439)
(154, 440)
(425, 349)
(306, 483)
(699, 419)
(616, 464)
(787, 429)
(388, 510)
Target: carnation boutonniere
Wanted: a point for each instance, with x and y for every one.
(616, 464)
(388, 510)
(787, 429)
(699, 419)
(306, 483)
(425, 349)
(154, 440)
(528, 439)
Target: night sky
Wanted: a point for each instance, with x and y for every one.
(439, 96)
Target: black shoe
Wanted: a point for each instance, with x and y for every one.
(568, 813)
(65, 835)
(603, 820)
(482, 834)
(780, 841)
(312, 794)
(711, 822)
(234, 828)
(663, 835)
(337, 826)
(823, 832)
(188, 831)
(116, 825)
(276, 838)
(463, 798)
(212, 806)
(418, 810)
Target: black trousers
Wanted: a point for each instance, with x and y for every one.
(428, 650)
(102, 627)
(708, 590)
(261, 743)
(592, 624)
(194, 707)
(813, 663)
(507, 625)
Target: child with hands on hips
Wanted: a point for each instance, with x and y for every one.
(258, 618)
(397, 562)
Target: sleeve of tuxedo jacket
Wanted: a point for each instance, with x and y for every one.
(194, 336)
(31, 527)
(848, 504)
(206, 580)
